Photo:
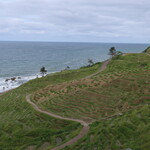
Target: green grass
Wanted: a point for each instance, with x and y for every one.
(129, 63)
(123, 86)
(130, 84)
(21, 126)
(131, 130)
(60, 77)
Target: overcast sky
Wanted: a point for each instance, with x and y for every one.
(75, 20)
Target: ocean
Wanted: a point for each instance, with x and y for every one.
(23, 60)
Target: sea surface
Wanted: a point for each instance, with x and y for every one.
(24, 59)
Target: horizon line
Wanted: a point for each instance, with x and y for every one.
(74, 42)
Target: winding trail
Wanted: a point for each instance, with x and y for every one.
(85, 128)
(102, 68)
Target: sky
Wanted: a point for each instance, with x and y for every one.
(120, 21)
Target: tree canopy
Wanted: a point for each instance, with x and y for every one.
(112, 51)
(43, 71)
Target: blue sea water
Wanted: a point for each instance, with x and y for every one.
(24, 59)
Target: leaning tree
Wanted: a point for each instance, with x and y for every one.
(90, 61)
(112, 51)
(43, 71)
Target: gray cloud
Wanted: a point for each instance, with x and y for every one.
(112, 19)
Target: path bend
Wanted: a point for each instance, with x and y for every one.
(85, 128)
(102, 68)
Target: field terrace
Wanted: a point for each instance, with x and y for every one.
(123, 86)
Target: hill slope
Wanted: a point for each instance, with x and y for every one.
(21, 127)
(122, 89)
(129, 131)
(123, 86)
(116, 100)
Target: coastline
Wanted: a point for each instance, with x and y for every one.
(28, 58)
(35, 77)
(6, 86)
(30, 78)
(39, 76)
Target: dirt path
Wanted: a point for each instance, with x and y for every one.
(79, 136)
(51, 114)
(102, 68)
(85, 128)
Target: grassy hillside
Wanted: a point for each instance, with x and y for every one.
(21, 127)
(123, 86)
(117, 99)
(129, 131)
(147, 50)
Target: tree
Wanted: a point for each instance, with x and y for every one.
(118, 54)
(90, 61)
(112, 51)
(43, 71)
(67, 68)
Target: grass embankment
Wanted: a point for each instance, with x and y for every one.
(129, 131)
(123, 86)
(21, 127)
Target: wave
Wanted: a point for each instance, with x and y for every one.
(8, 83)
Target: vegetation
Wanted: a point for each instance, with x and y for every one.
(121, 87)
(112, 51)
(43, 71)
(21, 127)
(90, 61)
(147, 50)
(118, 54)
(118, 98)
(129, 131)
(67, 68)
(116, 101)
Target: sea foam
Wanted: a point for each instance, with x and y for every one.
(8, 85)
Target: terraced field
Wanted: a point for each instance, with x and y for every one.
(21, 127)
(130, 131)
(123, 86)
(117, 99)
